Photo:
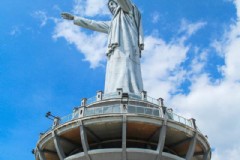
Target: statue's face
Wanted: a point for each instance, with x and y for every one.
(112, 6)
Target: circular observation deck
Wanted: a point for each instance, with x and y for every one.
(122, 126)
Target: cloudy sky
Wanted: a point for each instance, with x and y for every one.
(191, 59)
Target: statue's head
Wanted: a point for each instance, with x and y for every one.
(112, 5)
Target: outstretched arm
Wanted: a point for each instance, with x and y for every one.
(126, 5)
(99, 26)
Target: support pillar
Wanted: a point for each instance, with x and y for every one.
(206, 154)
(161, 141)
(84, 141)
(191, 148)
(124, 138)
(58, 146)
(35, 152)
(95, 137)
(41, 154)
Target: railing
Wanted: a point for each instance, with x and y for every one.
(153, 100)
(145, 110)
(155, 111)
(113, 109)
(66, 119)
(131, 96)
(91, 100)
(180, 119)
(134, 96)
(111, 95)
(102, 110)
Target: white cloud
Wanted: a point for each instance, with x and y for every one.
(15, 31)
(190, 28)
(42, 16)
(161, 65)
(155, 17)
(93, 45)
(232, 53)
(237, 3)
(228, 47)
(215, 105)
(232, 154)
(90, 8)
(218, 46)
(57, 8)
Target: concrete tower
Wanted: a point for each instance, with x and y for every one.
(123, 126)
(122, 123)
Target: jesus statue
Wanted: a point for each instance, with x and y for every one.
(124, 47)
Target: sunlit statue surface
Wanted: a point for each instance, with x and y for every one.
(125, 43)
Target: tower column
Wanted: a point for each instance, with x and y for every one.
(191, 148)
(206, 154)
(41, 154)
(58, 146)
(161, 141)
(84, 141)
(124, 137)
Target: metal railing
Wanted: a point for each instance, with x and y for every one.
(111, 109)
(180, 119)
(91, 100)
(153, 100)
(145, 110)
(155, 111)
(67, 118)
(131, 96)
(134, 96)
(111, 95)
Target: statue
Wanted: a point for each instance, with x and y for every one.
(125, 43)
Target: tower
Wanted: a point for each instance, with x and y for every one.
(123, 126)
(122, 123)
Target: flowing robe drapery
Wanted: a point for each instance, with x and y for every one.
(125, 42)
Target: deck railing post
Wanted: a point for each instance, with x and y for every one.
(99, 95)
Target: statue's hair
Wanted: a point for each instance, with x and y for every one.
(113, 1)
(110, 1)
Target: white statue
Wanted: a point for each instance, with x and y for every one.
(125, 43)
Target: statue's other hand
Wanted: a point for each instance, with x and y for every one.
(67, 16)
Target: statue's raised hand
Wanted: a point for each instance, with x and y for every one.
(67, 16)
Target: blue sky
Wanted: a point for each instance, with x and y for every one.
(191, 59)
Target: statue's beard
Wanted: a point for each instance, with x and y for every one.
(113, 10)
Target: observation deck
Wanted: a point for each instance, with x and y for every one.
(122, 126)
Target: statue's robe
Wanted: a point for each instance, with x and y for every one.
(125, 43)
